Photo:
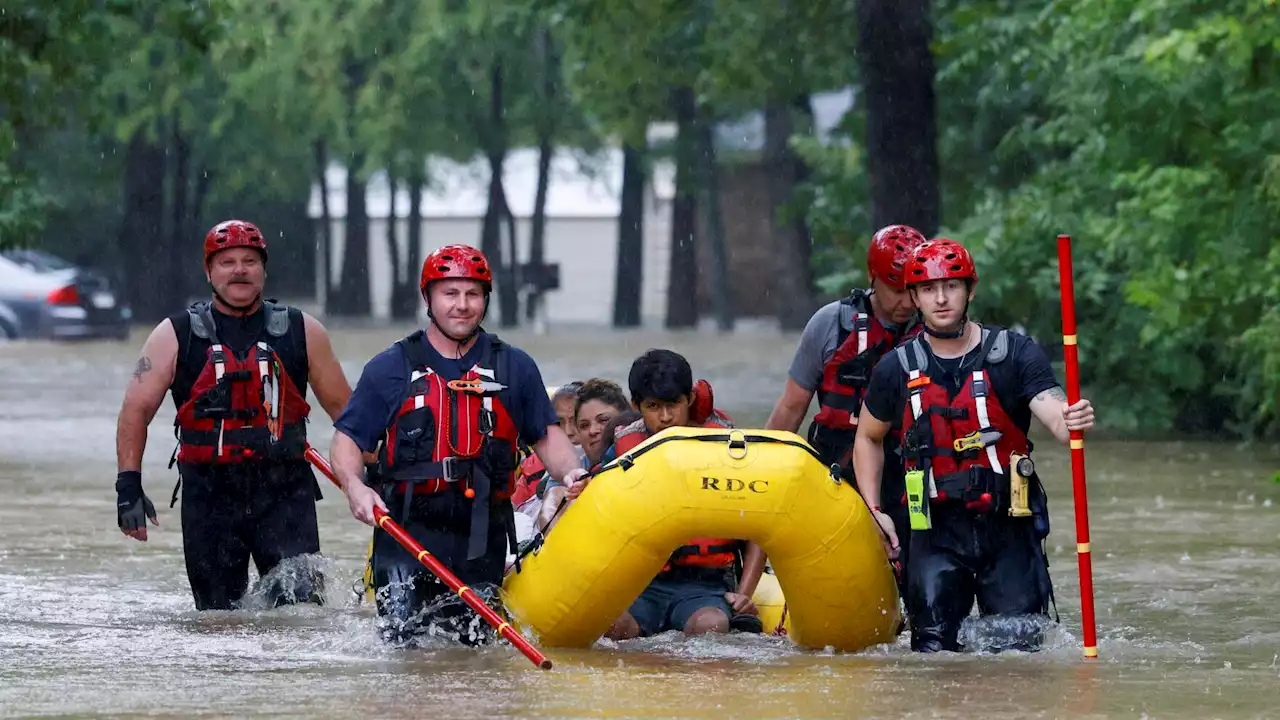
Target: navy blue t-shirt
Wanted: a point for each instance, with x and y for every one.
(384, 386)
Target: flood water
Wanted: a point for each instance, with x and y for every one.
(1185, 539)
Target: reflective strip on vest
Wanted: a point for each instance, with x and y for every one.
(420, 400)
(916, 411)
(486, 400)
(861, 320)
(979, 393)
(219, 358)
(270, 390)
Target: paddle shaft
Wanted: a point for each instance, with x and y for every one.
(1072, 359)
(392, 528)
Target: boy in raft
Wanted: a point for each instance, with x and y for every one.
(963, 394)
(695, 592)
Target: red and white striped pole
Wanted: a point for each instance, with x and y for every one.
(1072, 359)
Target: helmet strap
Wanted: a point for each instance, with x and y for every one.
(949, 334)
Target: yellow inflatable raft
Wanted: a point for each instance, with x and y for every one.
(759, 485)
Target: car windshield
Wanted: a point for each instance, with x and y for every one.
(37, 261)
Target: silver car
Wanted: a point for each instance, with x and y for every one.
(45, 297)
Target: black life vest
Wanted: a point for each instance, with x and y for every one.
(242, 406)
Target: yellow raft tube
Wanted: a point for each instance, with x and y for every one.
(759, 485)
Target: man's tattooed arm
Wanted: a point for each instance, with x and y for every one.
(1053, 393)
(143, 367)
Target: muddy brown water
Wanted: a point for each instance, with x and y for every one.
(1185, 539)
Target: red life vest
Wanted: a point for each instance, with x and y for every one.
(861, 341)
(242, 407)
(699, 552)
(453, 435)
(980, 465)
(527, 478)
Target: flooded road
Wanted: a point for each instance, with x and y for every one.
(1185, 540)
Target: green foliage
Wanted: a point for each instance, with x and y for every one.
(1147, 129)
(1155, 145)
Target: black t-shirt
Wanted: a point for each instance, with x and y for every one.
(1024, 373)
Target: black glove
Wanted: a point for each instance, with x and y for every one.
(132, 506)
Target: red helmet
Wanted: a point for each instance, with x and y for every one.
(940, 259)
(891, 247)
(233, 234)
(456, 261)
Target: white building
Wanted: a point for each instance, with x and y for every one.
(581, 234)
(582, 216)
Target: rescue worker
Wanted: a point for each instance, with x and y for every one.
(237, 367)
(963, 394)
(840, 345)
(696, 592)
(445, 410)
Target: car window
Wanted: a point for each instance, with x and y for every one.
(37, 261)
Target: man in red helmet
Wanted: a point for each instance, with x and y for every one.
(963, 395)
(237, 367)
(840, 345)
(444, 411)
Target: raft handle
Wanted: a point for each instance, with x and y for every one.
(737, 441)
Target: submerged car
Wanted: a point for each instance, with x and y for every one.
(45, 297)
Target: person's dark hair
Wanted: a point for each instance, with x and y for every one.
(606, 391)
(567, 391)
(660, 375)
(624, 419)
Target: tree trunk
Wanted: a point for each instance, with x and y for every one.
(897, 74)
(538, 230)
(629, 270)
(721, 285)
(325, 289)
(546, 134)
(491, 232)
(144, 252)
(354, 297)
(682, 287)
(401, 265)
(179, 268)
(511, 264)
(203, 182)
(792, 293)
(413, 261)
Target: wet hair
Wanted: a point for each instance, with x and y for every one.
(567, 391)
(660, 375)
(606, 391)
(624, 419)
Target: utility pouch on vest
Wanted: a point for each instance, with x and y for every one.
(1020, 485)
(917, 501)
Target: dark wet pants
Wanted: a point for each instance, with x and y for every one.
(233, 513)
(411, 601)
(990, 557)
